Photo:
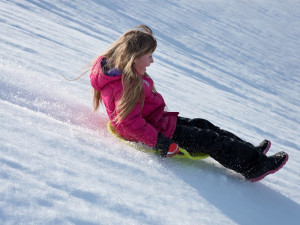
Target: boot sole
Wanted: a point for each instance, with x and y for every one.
(271, 171)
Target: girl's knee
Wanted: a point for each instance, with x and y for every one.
(203, 124)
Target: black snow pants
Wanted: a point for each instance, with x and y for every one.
(200, 135)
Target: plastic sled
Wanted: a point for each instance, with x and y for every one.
(142, 147)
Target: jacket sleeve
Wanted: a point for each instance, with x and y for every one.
(134, 125)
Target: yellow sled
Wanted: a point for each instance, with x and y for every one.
(139, 146)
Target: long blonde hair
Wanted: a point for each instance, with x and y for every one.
(121, 55)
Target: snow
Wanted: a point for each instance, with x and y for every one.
(235, 63)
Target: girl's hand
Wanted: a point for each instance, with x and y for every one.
(167, 146)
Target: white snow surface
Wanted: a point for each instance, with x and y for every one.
(235, 63)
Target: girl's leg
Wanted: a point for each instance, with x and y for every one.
(205, 124)
(230, 152)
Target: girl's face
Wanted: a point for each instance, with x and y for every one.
(142, 62)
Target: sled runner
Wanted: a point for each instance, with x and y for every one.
(139, 146)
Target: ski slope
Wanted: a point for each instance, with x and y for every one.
(235, 63)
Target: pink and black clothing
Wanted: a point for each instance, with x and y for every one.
(157, 128)
(140, 125)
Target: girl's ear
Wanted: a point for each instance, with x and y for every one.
(134, 61)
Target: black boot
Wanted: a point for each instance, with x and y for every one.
(265, 167)
(264, 146)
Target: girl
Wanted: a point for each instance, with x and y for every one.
(136, 110)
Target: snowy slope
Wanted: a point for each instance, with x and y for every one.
(235, 63)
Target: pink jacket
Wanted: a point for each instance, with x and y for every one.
(140, 125)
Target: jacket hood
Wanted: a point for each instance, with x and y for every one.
(101, 75)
